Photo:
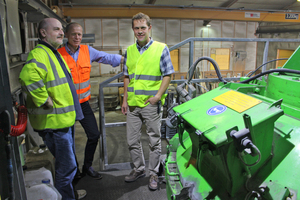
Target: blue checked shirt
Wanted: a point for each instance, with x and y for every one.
(166, 66)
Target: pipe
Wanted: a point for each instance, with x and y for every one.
(22, 122)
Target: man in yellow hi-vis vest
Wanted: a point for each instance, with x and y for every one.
(52, 103)
(147, 71)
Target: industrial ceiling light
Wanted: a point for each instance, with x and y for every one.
(206, 22)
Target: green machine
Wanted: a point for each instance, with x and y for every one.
(238, 141)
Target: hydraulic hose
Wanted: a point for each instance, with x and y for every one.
(269, 72)
(252, 72)
(21, 123)
(213, 62)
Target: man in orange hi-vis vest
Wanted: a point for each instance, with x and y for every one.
(79, 59)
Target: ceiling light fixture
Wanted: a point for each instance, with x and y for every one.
(206, 22)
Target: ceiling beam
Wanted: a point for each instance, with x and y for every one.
(151, 2)
(176, 13)
(229, 3)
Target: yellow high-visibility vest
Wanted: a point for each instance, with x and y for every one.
(43, 76)
(144, 74)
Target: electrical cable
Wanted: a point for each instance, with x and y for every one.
(253, 72)
(269, 72)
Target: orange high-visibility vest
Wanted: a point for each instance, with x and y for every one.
(80, 71)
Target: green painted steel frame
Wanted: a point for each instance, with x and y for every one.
(204, 162)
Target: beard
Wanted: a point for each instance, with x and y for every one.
(55, 43)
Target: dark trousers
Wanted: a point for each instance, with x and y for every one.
(90, 127)
(61, 145)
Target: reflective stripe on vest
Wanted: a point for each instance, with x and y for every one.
(83, 96)
(39, 64)
(144, 92)
(35, 86)
(38, 111)
(82, 85)
(145, 77)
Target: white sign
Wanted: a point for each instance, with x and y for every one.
(252, 15)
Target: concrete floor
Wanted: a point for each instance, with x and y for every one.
(117, 151)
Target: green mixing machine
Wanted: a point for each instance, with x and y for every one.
(238, 141)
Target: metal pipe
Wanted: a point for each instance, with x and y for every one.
(265, 58)
(102, 140)
(191, 57)
(232, 40)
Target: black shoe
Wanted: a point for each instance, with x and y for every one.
(77, 175)
(134, 175)
(91, 172)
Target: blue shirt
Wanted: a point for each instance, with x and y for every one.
(166, 66)
(78, 110)
(97, 56)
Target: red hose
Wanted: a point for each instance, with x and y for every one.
(22, 122)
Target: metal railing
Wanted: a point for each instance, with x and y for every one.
(104, 165)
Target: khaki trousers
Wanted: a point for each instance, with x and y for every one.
(135, 118)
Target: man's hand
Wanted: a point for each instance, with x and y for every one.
(124, 107)
(48, 104)
(152, 100)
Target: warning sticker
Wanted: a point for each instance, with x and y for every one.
(237, 101)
